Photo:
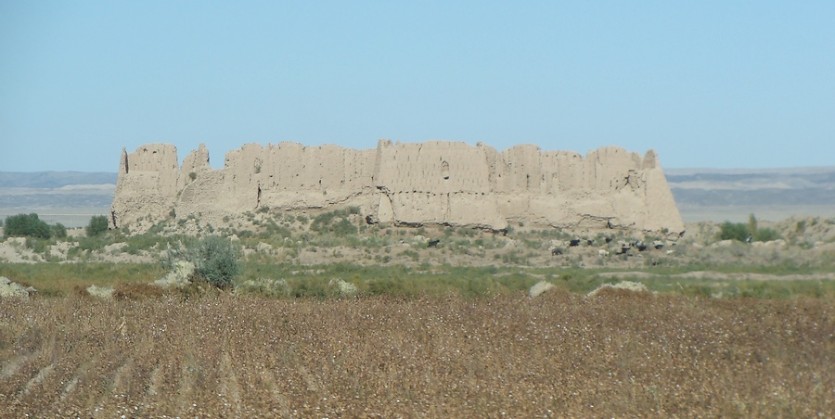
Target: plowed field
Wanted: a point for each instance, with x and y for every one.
(618, 354)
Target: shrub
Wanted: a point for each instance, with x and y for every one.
(752, 225)
(59, 231)
(136, 291)
(335, 222)
(274, 230)
(265, 286)
(801, 226)
(26, 225)
(746, 232)
(343, 228)
(733, 231)
(97, 225)
(37, 245)
(90, 244)
(766, 234)
(145, 241)
(411, 254)
(216, 261)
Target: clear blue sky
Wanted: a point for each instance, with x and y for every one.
(704, 83)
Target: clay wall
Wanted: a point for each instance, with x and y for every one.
(434, 182)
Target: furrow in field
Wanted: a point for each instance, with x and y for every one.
(117, 400)
(14, 375)
(230, 389)
(122, 378)
(75, 392)
(25, 375)
(155, 381)
(267, 378)
(309, 379)
(69, 388)
(42, 375)
(160, 391)
(13, 365)
(189, 371)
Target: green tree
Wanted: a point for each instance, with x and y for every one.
(97, 225)
(26, 225)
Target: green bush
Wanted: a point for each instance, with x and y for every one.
(273, 230)
(746, 232)
(59, 231)
(146, 241)
(801, 226)
(343, 228)
(766, 234)
(411, 254)
(215, 260)
(26, 225)
(335, 222)
(89, 244)
(733, 231)
(37, 245)
(97, 225)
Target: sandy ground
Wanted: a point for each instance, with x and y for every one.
(805, 242)
(13, 250)
(721, 276)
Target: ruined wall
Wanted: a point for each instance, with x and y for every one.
(435, 182)
(147, 184)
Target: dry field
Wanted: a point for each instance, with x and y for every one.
(618, 354)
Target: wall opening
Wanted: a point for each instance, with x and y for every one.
(445, 170)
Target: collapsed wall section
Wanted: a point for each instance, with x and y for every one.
(436, 182)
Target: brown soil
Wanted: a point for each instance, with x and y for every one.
(619, 354)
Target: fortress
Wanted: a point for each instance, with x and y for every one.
(431, 183)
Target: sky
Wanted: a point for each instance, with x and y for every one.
(714, 84)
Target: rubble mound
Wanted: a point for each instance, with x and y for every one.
(179, 276)
(622, 285)
(540, 288)
(9, 289)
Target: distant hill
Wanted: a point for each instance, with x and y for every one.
(70, 198)
(733, 194)
(54, 179)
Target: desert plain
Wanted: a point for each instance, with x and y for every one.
(331, 313)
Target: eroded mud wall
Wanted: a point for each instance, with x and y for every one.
(435, 182)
